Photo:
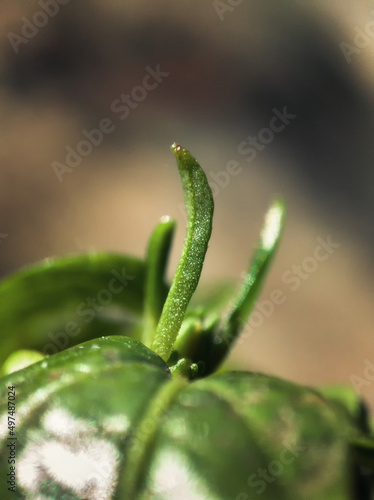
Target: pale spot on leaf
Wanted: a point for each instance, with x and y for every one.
(70, 456)
(116, 424)
(173, 479)
(64, 425)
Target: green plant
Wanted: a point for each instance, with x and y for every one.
(147, 415)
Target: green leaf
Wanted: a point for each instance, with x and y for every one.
(346, 397)
(19, 360)
(255, 276)
(83, 401)
(112, 407)
(243, 302)
(155, 289)
(199, 205)
(59, 303)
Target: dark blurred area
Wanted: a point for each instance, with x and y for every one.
(220, 74)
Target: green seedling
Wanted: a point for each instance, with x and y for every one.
(120, 393)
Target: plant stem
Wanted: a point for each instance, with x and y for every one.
(199, 205)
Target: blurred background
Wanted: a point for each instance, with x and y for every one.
(271, 97)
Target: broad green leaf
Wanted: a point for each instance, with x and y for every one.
(106, 419)
(61, 302)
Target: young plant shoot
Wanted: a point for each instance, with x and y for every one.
(124, 401)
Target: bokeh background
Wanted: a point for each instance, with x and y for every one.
(226, 66)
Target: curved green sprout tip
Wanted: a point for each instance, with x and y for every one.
(199, 205)
(209, 339)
